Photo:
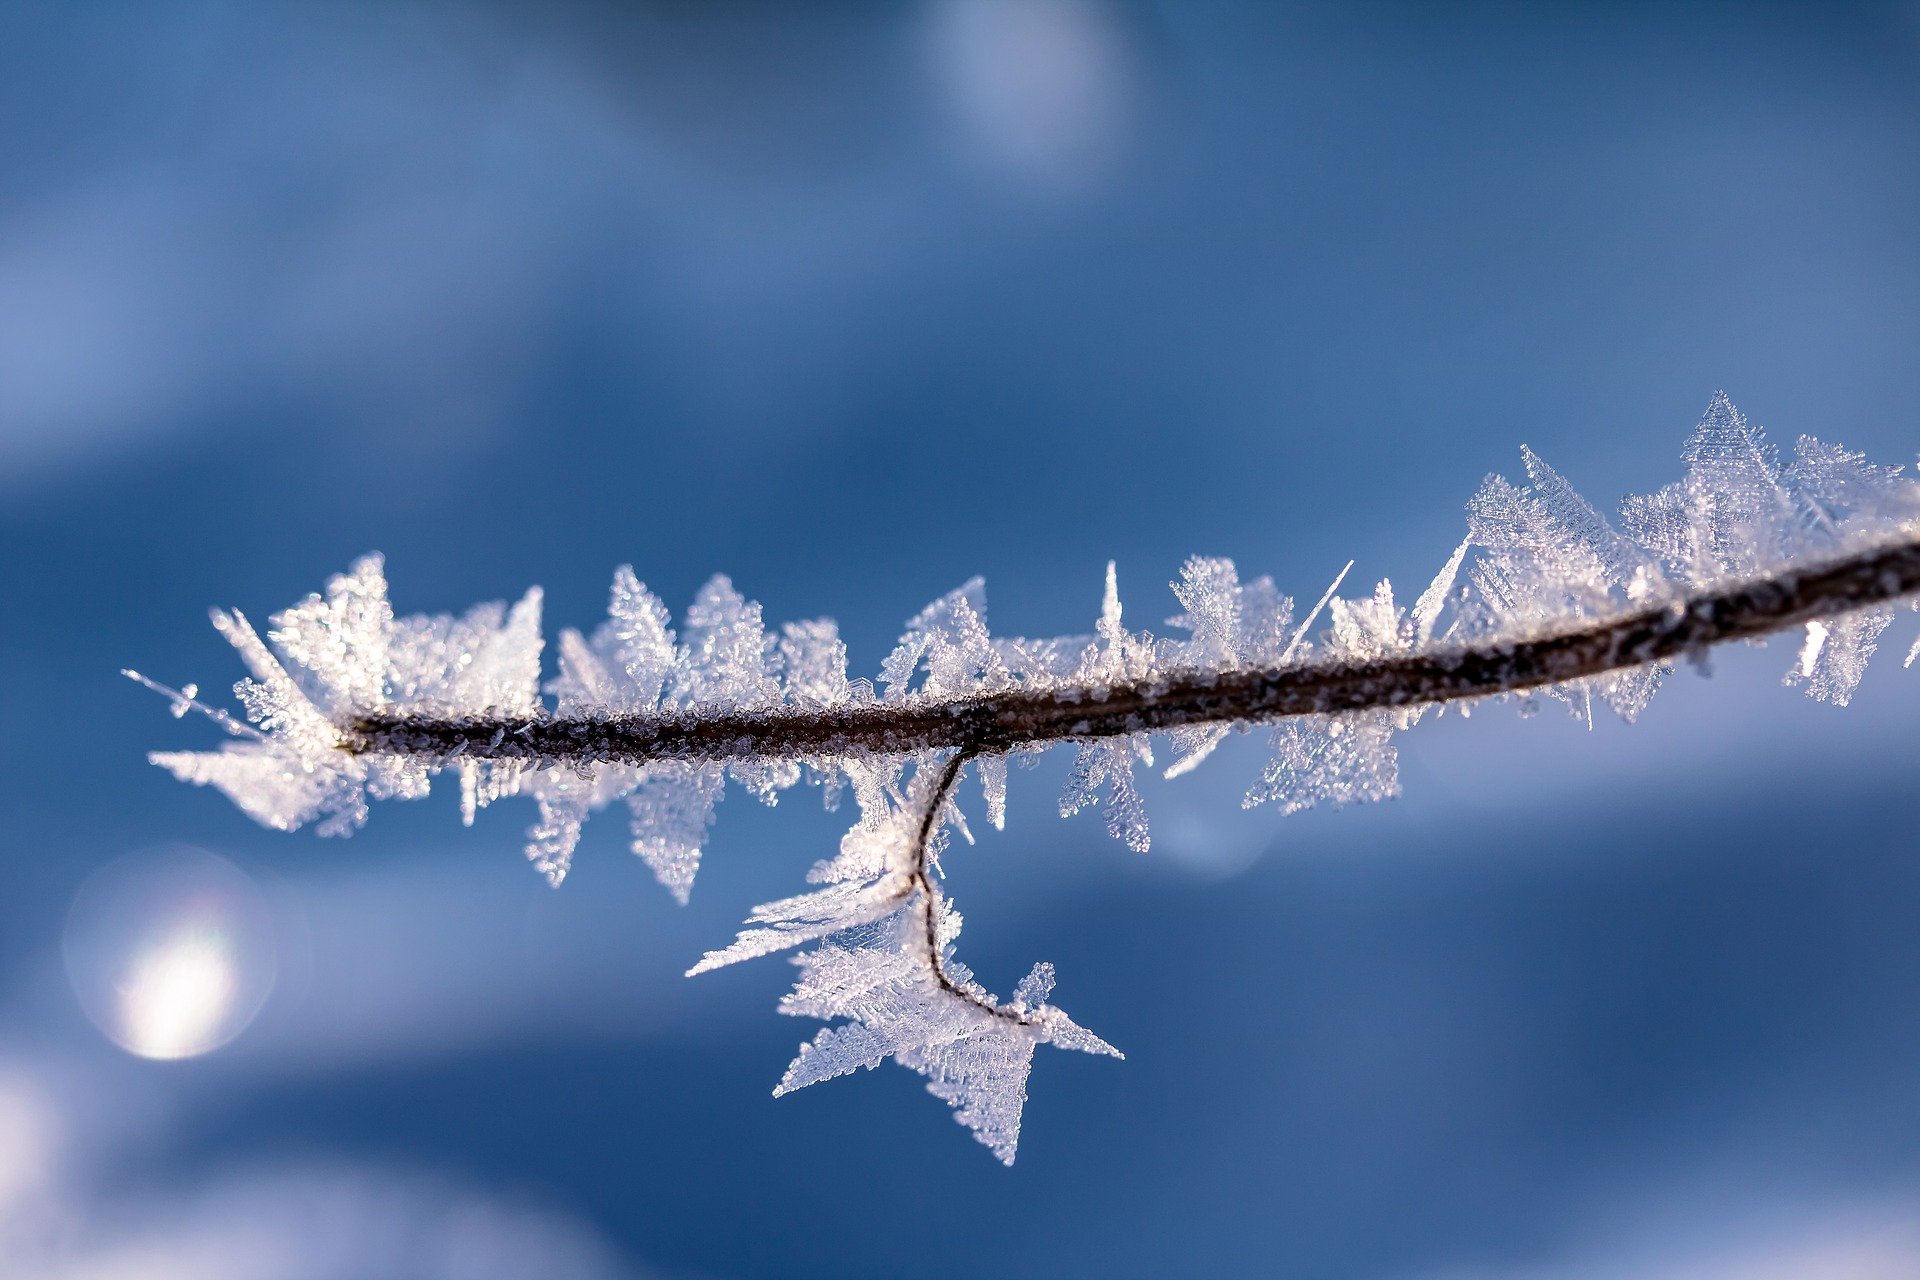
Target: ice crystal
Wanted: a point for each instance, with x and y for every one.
(1232, 628)
(1538, 559)
(975, 1053)
(1548, 557)
(1349, 758)
(948, 640)
(672, 809)
(343, 655)
(1116, 656)
(886, 964)
(1738, 512)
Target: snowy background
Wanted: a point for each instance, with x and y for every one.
(852, 304)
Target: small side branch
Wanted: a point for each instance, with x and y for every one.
(1019, 717)
(920, 880)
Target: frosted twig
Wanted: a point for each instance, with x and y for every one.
(349, 703)
(998, 722)
(920, 879)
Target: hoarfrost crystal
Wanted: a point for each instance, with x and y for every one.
(885, 962)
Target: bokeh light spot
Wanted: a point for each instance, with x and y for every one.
(171, 951)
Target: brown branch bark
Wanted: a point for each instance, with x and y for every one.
(998, 721)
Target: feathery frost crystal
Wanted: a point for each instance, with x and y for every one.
(346, 703)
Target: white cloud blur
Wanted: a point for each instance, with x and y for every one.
(354, 217)
(392, 215)
(322, 1223)
(1869, 1239)
(426, 957)
(67, 1211)
(1042, 91)
(171, 950)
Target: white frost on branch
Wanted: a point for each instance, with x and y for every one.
(974, 1052)
(885, 963)
(1537, 558)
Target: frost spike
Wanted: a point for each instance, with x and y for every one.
(1314, 612)
(1426, 610)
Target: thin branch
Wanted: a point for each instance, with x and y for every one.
(997, 722)
(920, 879)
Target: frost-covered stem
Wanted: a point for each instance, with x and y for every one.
(1000, 721)
(920, 879)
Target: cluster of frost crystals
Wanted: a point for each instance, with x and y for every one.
(1537, 558)
(1116, 656)
(1231, 628)
(724, 659)
(885, 964)
(1350, 757)
(975, 1052)
(947, 646)
(947, 652)
(1546, 557)
(634, 665)
(344, 655)
(336, 657)
(1740, 512)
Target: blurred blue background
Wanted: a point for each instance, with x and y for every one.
(852, 302)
